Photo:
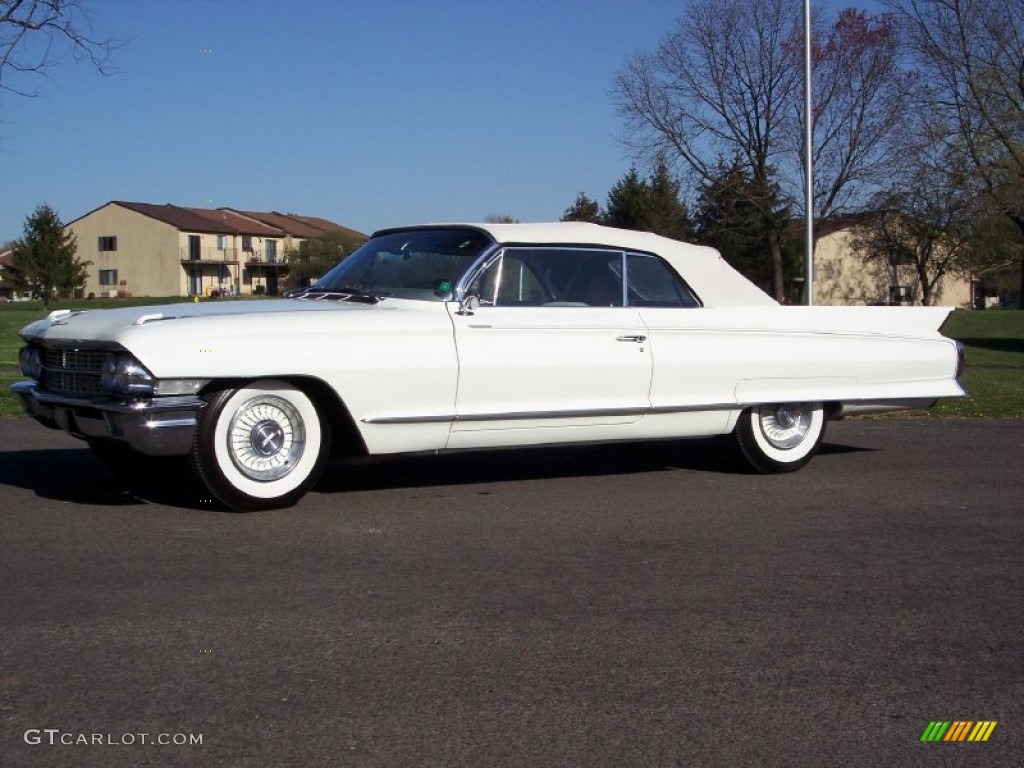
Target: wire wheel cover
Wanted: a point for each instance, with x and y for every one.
(785, 426)
(266, 438)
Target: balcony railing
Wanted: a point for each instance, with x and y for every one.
(211, 255)
(258, 259)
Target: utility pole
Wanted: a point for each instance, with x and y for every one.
(809, 151)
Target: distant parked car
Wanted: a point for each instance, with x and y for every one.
(477, 336)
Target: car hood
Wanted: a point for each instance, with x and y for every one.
(109, 325)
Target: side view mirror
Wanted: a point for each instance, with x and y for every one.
(468, 304)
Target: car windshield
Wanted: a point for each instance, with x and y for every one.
(411, 264)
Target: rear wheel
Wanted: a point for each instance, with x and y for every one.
(260, 446)
(781, 437)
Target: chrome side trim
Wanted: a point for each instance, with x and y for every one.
(566, 414)
(866, 407)
(407, 419)
(847, 407)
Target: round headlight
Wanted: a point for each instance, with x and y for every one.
(31, 362)
(108, 373)
(125, 375)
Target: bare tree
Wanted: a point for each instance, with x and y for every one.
(859, 92)
(917, 244)
(718, 86)
(725, 83)
(971, 58)
(925, 221)
(33, 31)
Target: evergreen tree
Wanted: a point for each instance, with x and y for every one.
(44, 260)
(628, 201)
(650, 205)
(584, 209)
(730, 217)
(667, 213)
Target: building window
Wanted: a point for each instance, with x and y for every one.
(108, 243)
(271, 248)
(108, 277)
(222, 243)
(247, 243)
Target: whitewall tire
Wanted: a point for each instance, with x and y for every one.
(780, 437)
(260, 446)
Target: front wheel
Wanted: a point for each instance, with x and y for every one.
(260, 446)
(782, 437)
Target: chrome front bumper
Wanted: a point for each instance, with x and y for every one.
(163, 426)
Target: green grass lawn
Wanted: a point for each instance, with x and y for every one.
(994, 339)
(994, 375)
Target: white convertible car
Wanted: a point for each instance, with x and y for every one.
(477, 336)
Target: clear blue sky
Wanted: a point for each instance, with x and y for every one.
(370, 113)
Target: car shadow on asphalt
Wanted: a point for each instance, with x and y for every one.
(715, 455)
(74, 475)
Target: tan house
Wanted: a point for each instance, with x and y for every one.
(143, 249)
(7, 292)
(843, 277)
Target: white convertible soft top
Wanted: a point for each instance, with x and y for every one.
(715, 282)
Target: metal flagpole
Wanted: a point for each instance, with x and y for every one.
(808, 149)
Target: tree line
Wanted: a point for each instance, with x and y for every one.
(918, 125)
(722, 216)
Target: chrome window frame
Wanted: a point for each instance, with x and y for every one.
(495, 254)
(672, 270)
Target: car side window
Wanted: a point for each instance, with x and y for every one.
(579, 277)
(510, 281)
(593, 279)
(653, 283)
(555, 276)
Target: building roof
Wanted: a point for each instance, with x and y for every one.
(1007, 267)
(295, 225)
(180, 218)
(330, 226)
(228, 221)
(242, 225)
(839, 222)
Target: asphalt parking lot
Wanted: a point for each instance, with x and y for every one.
(603, 606)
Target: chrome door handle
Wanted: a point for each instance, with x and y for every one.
(637, 338)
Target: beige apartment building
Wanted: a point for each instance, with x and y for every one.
(144, 249)
(843, 277)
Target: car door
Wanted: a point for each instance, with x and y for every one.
(550, 350)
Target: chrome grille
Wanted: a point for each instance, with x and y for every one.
(73, 372)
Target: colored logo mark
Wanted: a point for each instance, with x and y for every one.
(958, 730)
